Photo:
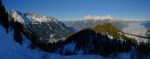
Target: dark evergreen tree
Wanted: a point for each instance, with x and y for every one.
(18, 29)
(4, 21)
(33, 39)
(3, 16)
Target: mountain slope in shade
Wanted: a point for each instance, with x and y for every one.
(104, 40)
(93, 41)
(11, 49)
(47, 29)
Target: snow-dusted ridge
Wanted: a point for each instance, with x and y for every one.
(95, 18)
(109, 17)
(28, 18)
(11, 49)
(38, 18)
(20, 17)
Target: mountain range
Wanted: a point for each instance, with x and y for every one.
(32, 36)
(96, 36)
(49, 29)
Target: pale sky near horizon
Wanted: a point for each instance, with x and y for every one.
(77, 9)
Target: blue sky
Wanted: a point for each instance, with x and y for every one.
(77, 9)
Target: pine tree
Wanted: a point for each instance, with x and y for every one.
(3, 16)
(18, 29)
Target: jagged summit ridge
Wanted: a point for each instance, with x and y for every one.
(95, 18)
(38, 18)
(20, 17)
(28, 18)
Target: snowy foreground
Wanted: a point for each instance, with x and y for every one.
(10, 49)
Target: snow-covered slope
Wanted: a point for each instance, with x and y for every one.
(11, 49)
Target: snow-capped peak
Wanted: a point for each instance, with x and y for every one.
(20, 17)
(38, 18)
(28, 18)
(94, 18)
(16, 15)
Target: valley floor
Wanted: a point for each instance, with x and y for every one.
(137, 29)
